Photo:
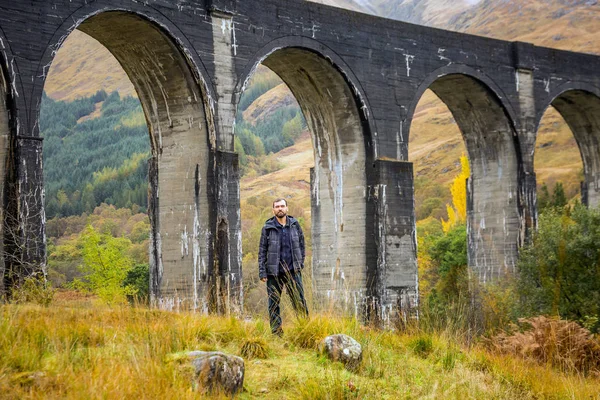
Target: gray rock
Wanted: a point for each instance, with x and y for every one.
(216, 371)
(344, 349)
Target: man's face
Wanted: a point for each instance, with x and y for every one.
(280, 209)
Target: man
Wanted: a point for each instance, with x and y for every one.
(280, 261)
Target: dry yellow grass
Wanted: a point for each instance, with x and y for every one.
(552, 341)
(74, 351)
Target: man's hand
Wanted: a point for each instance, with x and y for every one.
(263, 279)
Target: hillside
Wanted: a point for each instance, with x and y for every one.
(95, 151)
(422, 12)
(568, 25)
(81, 67)
(267, 104)
(562, 24)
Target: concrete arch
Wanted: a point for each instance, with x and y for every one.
(181, 44)
(336, 62)
(337, 115)
(173, 95)
(493, 218)
(579, 105)
(460, 70)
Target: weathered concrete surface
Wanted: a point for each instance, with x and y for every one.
(493, 219)
(338, 179)
(358, 80)
(5, 136)
(179, 139)
(393, 286)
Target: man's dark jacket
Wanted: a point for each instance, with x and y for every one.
(269, 247)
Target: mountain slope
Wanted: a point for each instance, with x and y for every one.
(83, 66)
(562, 24)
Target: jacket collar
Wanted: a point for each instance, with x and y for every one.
(271, 223)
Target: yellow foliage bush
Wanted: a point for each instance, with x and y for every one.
(457, 212)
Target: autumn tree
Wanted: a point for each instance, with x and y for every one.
(457, 212)
(105, 266)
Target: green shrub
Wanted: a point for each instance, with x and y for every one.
(138, 278)
(558, 272)
(422, 345)
(106, 266)
(34, 289)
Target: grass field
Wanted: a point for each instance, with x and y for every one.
(80, 349)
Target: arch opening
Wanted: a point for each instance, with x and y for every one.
(337, 191)
(171, 97)
(493, 218)
(581, 112)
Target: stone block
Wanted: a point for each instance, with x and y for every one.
(217, 372)
(344, 349)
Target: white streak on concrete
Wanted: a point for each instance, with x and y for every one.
(184, 242)
(442, 57)
(409, 59)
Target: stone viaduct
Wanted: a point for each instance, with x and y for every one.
(357, 79)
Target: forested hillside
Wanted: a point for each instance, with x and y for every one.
(95, 151)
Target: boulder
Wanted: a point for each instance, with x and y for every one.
(216, 371)
(344, 349)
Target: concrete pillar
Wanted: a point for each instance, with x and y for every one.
(225, 49)
(4, 175)
(25, 228)
(394, 287)
(527, 138)
(155, 256)
(225, 284)
(225, 281)
(493, 219)
(179, 200)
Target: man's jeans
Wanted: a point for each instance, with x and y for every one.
(293, 284)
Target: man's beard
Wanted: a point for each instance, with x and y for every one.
(281, 214)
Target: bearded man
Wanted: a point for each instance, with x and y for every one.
(280, 262)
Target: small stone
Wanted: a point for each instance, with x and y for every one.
(263, 390)
(218, 371)
(344, 349)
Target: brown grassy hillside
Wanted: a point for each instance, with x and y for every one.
(566, 25)
(81, 67)
(268, 103)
